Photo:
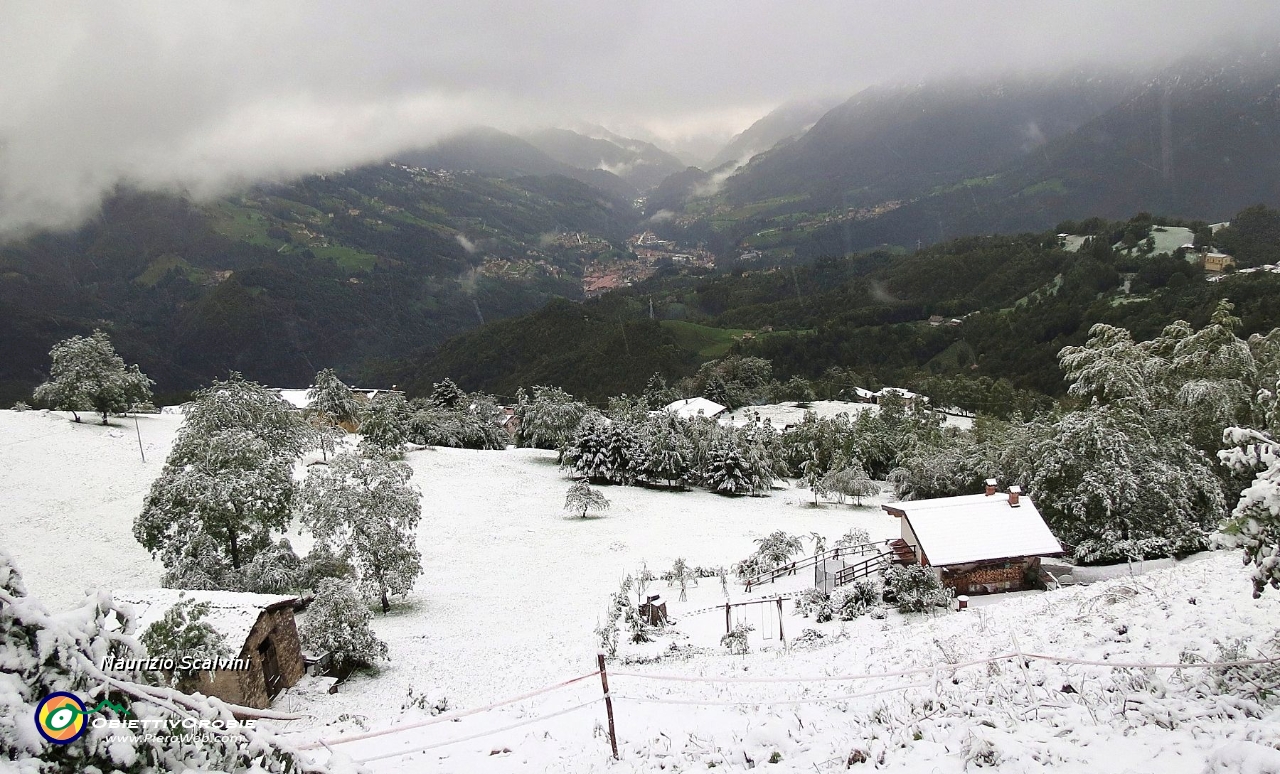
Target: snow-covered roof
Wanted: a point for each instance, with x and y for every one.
(974, 528)
(231, 613)
(863, 392)
(298, 398)
(692, 407)
(790, 412)
(900, 392)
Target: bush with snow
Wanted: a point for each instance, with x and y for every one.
(736, 640)
(365, 510)
(331, 404)
(337, 624)
(88, 375)
(856, 599)
(914, 589)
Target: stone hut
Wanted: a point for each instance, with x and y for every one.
(259, 631)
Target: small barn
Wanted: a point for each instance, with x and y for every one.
(977, 544)
(259, 630)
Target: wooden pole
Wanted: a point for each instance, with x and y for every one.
(727, 619)
(137, 430)
(781, 635)
(608, 704)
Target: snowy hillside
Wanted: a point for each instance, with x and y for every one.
(513, 588)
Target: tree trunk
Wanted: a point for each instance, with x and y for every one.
(75, 417)
(235, 549)
(386, 606)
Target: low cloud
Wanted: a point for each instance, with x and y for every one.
(467, 244)
(204, 98)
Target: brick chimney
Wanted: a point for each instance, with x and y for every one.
(1014, 491)
(991, 486)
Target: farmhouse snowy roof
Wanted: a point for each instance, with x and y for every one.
(692, 407)
(975, 528)
(231, 613)
(299, 399)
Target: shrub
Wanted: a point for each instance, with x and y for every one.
(914, 589)
(338, 623)
(856, 599)
(736, 640)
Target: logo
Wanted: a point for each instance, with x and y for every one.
(60, 717)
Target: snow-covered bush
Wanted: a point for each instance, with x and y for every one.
(337, 623)
(20, 406)
(914, 589)
(582, 498)
(856, 599)
(183, 633)
(365, 509)
(45, 653)
(88, 375)
(681, 575)
(736, 640)
(815, 602)
(322, 564)
(620, 606)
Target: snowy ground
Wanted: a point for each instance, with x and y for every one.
(513, 588)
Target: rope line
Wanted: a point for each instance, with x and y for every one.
(490, 732)
(446, 716)
(944, 667)
(780, 702)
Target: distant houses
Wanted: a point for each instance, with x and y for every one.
(977, 544)
(259, 630)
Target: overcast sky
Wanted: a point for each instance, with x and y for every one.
(205, 96)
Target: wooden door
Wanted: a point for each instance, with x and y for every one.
(270, 667)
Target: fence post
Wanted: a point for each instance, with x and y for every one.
(781, 636)
(608, 703)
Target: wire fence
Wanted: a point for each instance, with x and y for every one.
(607, 697)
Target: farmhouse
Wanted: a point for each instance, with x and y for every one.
(977, 544)
(693, 407)
(259, 632)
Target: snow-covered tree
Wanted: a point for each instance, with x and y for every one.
(470, 423)
(88, 375)
(337, 623)
(848, 480)
(668, 452)
(384, 423)
(231, 488)
(682, 575)
(45, 653)
(605, 451)
(549, 418)
(183, 633)
(727, 472)
(1254, 524)
(365, 509)
(582, 498)
(447, 395)
(227, 483)
(331, 404)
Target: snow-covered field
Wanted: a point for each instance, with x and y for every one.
(513, 588)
